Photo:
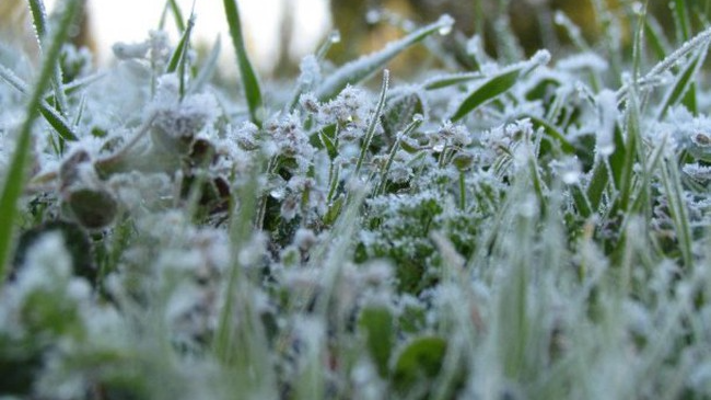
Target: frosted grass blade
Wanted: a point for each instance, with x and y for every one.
(252, 91)
(39, 21)
(208, 69)
(499, 84)
(683, 83)
(489, 90)
(179, 59)
(51, 115)
(451, 80)
(373, 122)
(359, 70)
(15, 180)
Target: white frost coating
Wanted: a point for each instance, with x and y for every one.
(702, 39)
(366, 66)
(48, 263)
(584, 60)
(605, 139)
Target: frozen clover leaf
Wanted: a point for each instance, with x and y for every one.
(177, 123)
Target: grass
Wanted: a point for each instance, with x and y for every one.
(526, 228)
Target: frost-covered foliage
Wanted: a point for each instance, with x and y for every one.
(535, 229)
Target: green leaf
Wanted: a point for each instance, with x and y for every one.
(179, 59)
(552, 134)
(359, 70)
(421, 359)
(39, 21)
(50, 114)
(498, 84)
(684, 82)
(250, 82)
(490, 89)
(451, 80)
(15, 179)
(377, 323)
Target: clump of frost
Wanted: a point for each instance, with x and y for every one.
(608, 112)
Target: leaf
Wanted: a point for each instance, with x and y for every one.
(490, 89)
(499, 84)
(552, 134)
(252, 91)
(377, 323)
(179, 59)
(421, 359)
(50, 114)
(444, 81)
(15, 179)
(359, 70)
(684, 82)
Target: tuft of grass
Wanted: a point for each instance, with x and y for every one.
(16, 176)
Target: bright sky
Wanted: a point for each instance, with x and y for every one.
(130, 21)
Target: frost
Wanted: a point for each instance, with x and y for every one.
(582, 61)
(608, 111)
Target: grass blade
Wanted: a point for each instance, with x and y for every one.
(498, 84)
(208, 69)
(179, 59)
(357, 71)
(39, 21)
(15, 179)
(51, 115)
(683, 83)
(252, 91)
(451, 80)
(373, 122)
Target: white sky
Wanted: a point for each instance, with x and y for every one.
(130, 21)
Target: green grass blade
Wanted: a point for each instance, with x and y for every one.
(208, 69)
(552, 134)
(683, 83)
(655, 37)
(51, 115)
(357, 71)
(681, 20)
(492, 88)
(451, 80)
(177, 15)
(373, 122)
(677, 208)
(250, 82)
(179, 60)
(39, 21)
(498, 84)
(15, 180)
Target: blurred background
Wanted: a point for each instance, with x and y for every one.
(280, 32)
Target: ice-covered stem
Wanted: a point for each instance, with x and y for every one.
(373, 122)
(702, 39)
(15, 178)
(416, 122)
(364, 67)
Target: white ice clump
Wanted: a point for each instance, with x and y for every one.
(608, 114)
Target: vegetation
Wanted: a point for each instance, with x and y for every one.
(495, 227)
